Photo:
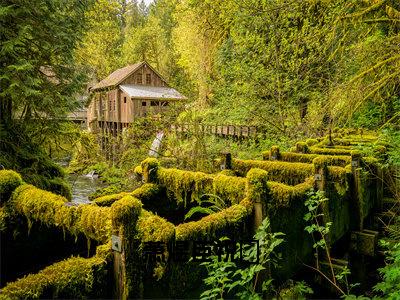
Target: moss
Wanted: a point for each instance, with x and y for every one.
(146, 192)
(281, 195)
(339, 160)
(125, 211)
(3, 219)
(109, 199)
(52, 210)
(230, 188)
(289, 173)
(73, 278)
(138, 171)
(302, 147)
(185, 185)
(256, 184)
(149, 169)
(213, 225)
(228, 173)
(9, 181)
(311, 142)
(330, 151)
(152, 228)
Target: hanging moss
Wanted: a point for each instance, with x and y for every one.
(73, 278)
(213, 225)
(183, 184)
(152, 228)
(109, 199)
(9, 181)
(52, 210)
(282, 195)
(231, 189)
(285, 172)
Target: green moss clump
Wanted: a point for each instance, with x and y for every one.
(256, 184)
(311, 142)
(230, 188)
(149, 169)
(109, 199)
(147, 192)
(152, 228)
(52, 210)
(3, 219)
(228, 173)
(9, 181)
(330, 151)
(302, 147)
(72, 278)
(125, 211)
(285, 172)
(281, 195)
(213, 225)
(185, 185)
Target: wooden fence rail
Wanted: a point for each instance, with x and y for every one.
(238, 131)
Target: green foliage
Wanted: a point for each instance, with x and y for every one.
(389, 287)
(226, 277)
(9, 181)
(75, 277)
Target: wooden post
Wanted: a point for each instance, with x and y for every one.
(128, 269)
(275, 153)
(226, 161)
(357, 201)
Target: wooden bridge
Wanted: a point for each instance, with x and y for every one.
(275, 188)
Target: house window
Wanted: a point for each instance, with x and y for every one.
(124, 99)
(148, 79)
(139, 78)
(109, 104)
(144, 103)
(115, 104)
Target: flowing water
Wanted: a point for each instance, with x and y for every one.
(155, 146)
(83, 186)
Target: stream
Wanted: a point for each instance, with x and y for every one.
(82, 187)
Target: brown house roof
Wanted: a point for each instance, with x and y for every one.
(120, 75)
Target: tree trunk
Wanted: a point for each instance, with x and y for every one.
(5, 111)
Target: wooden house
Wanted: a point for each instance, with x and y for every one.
(127, 94)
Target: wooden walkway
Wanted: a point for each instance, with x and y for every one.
(237, 131)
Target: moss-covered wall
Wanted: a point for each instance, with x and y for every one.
(285, 172)
(72, 278)
(46, 208)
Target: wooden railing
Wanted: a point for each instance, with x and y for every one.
(239, 131)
